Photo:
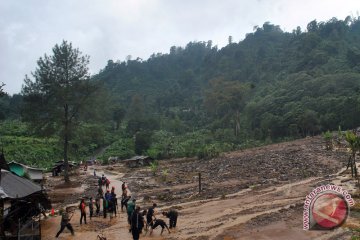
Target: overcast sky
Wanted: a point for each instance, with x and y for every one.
(113, 29)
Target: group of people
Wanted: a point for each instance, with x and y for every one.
(147, 219)
(109, 199)
(138, 220)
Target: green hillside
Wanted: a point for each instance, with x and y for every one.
(199, 100)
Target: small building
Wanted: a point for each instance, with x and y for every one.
(22, 170)
(91, 162)
(114, 160)
(59, 167)
(138, 161)
(23, 202)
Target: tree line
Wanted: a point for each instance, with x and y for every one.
(198, 99)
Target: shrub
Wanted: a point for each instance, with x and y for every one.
(122, 148)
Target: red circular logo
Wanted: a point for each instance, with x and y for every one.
(329, 210)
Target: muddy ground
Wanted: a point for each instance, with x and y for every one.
(251, 194)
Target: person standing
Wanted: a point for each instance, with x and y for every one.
(100, 182)
(130, 209)
(97, 204)
(82, 211)
(105, 205)
(114, 200)
(110, 208)
(137, 223)
(124, 199)
(91, 207)
(123, 186)
(150, 215)
(65, 222)
(107, 183)
(103, 179)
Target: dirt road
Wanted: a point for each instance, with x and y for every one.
(254, 194)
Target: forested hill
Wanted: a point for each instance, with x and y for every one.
(301, 83)
(201, 100)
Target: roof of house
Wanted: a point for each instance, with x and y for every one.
(20, 169)
(140, 158)
(26, 166)
(13, 186)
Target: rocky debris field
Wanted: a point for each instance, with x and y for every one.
(177, 180)
(61, 194)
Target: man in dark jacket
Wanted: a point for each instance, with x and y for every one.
(137, 223)
(114, 200)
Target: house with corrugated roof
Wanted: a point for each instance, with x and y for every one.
(22, 170)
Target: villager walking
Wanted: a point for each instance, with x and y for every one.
(105, 206)
(100, 182)
(124, 199)
(150, 214)
(123, 186)
(130, 209)
(82, 207)
(97, 204)
(107, 183)
(137, 223)
(114, 200)
(91, 207)
(65, 222)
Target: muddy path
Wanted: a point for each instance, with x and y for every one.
(251, 194)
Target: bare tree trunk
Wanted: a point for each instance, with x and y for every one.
(349, 163)
(354, 163)
(2, 230)
(66, 144)
(237, 123)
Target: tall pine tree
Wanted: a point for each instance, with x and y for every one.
(57, 94)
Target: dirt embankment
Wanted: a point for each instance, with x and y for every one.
(276, 164)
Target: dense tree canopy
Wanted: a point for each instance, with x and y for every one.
(197, 99)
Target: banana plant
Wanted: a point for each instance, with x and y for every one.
(354, 144)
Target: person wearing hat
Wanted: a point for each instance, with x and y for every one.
(65, 222)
